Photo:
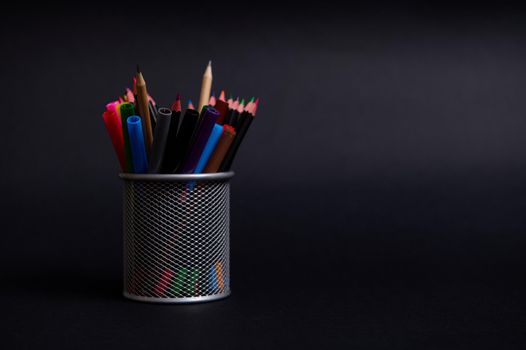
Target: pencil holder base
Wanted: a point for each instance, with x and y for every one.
(188, 300)
(176, 237)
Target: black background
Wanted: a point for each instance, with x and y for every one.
(378, 201)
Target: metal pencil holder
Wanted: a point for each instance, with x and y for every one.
(176, 237)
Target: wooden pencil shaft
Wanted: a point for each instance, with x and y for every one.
(144, 111)
(206, 87)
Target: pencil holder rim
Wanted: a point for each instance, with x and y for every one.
(182, 300)
(177, 177)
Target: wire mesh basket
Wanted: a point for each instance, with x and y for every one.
(176, 237)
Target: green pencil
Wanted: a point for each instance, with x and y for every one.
(127, 110)
(178, 283)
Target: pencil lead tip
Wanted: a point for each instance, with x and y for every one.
(210, 62)
(138, 69)
(213, 94)
(242, 101)
(178, 97)
(252, 99)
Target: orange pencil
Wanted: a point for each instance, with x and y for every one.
(219, 274)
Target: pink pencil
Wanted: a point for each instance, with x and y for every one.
(129, 94)
(212, 101)
(241, 107)
(235, 104)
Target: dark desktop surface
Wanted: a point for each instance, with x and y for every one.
(378, 201)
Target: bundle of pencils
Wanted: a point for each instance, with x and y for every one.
(152, 139)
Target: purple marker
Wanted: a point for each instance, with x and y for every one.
(202, 134)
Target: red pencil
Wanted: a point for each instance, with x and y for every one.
(176, 106)
(114, 128)
(256, 104)
(164, 282)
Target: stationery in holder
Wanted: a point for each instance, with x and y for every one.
(222, 146)
(164, 117)
(176, 204)
(140, 163)
(202, 133)
(181, 144)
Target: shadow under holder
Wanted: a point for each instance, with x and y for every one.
(176, 237)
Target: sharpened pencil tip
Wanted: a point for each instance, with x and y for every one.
(210, 62)
(138, 69)
(178, 97)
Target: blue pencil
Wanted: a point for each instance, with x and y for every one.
(209, 148)
(140, 162)
(213, 279)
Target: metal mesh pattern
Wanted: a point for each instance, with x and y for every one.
(176, 240)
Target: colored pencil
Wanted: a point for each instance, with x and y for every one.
(232, 151)
(130, 96)
(212, 101)
(202, 134)
(211, 144)
(234, 114)
(144, 111)
(127, 110)
(222, 107)
(206, 86)
(222, 146)
(114, 128)
(181, 145)
(164, 282)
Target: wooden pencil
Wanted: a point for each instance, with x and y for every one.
(206, 87)
(144, 110)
